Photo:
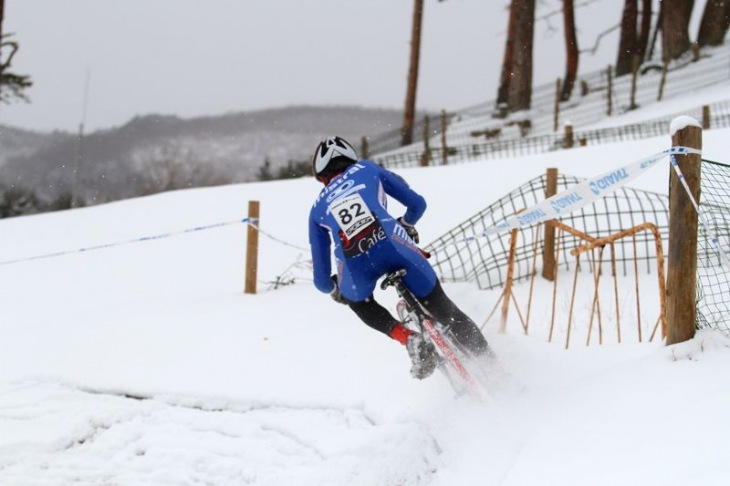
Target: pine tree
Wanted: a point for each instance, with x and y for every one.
(12, 86)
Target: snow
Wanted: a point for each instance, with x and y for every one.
(145, 364)
(681, 122)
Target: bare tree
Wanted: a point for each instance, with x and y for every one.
(628, 39)
(675, 27)
(177, 168)
(507, 66)
(410, 109)
(515, 88)
(634, 38)
(571, 48)
(715, 23)
(642, 42)
(649, 55)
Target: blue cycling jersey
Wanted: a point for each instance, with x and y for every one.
(351, 212)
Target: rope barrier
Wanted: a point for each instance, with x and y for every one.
(278, 240)
(126, 242)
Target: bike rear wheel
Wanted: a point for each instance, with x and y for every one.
(452, 356)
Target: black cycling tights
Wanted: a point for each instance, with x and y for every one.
(438, 304)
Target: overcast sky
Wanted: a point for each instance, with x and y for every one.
(191, 58)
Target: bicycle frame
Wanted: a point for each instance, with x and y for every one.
(428, 326)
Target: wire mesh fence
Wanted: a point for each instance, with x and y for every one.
(713, 280)
(474, 132)
(719, 117)
(463, 255)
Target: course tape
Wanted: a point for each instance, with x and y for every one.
(582, 194)
(126, 242)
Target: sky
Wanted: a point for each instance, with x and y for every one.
(143, 363)
(102, 62)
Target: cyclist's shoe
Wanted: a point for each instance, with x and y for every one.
(423, 356)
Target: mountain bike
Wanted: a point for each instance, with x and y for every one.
(461, 368)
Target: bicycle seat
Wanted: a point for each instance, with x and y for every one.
(392, 278)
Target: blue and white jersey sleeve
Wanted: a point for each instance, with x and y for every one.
(319, 241)
(398, 189)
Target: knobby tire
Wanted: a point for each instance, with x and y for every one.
(453, 358)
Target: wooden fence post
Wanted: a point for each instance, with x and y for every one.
(548, 248)
(695, 48)
(706, 117)
(682, 256)
(426, 155)
(569, 140)
(444, 147)
(252, 247)
(609, 72)
(663, 80)
(364, 149)
(556, 110)
(636, 62)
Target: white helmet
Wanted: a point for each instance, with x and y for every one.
(333, 155)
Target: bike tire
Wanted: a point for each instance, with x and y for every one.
(451, 353)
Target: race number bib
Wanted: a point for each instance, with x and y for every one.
(352, 214)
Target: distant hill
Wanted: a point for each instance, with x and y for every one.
(157, 152)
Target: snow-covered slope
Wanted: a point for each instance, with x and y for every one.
(143, 363)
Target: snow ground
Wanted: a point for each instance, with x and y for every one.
(145, 364)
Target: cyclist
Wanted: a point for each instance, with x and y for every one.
(351, 212)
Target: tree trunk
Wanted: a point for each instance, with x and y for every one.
(715, 23)
(571, 49)
(657, 29)
(507, 64)
(520, 88)
(2, 61)
(2, 16)
(675, 28)
(410, 109)
(627, 43)
(642, 43)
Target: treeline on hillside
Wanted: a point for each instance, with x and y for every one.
(71, 187)
(292, 170)
(47, 172)
(174, 171)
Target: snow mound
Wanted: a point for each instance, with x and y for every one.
(87, 437)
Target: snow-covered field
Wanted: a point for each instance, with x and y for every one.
(145, 363)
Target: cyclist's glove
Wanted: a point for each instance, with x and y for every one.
(410, 229)
(335, 294)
